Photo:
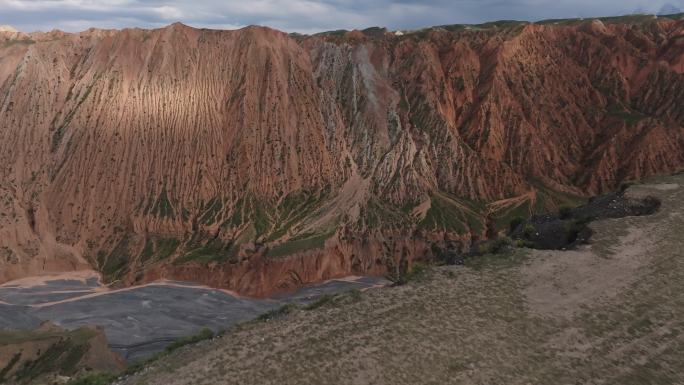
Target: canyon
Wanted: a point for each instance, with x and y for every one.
(259, 161)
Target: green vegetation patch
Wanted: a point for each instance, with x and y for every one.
(65, 352)
(161, 207)
(446, 215)
(211, 210)
(299, 245)
(157, 249)
(278, 313)
(202, 335)
(10, 43)
(213, 251)
(251, 209)
(379, 214)
(335, 299)
(629, 117)
(115, 265)
(94, 379)
(547, 199)
(293, 209)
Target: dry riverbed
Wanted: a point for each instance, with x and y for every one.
(140, 321)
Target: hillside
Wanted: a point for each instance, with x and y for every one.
(52, 355)
(607, 313)
(257, 161)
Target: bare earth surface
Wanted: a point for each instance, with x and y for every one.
(609, 313)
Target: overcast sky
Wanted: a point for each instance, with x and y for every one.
(302, 15)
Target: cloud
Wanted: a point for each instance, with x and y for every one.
(302, 15)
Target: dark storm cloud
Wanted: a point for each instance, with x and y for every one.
(302, 15)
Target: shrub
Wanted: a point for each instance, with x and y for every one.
(515, 222)
(495, 246)
(529, 231)
(565, 212)
(574, 228)
(500, 244)
(520, 243)
(417, 272)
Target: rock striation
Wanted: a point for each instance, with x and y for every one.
(257, 161)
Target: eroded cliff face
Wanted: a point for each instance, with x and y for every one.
(257, 161)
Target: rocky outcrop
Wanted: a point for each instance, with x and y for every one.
(256, 160)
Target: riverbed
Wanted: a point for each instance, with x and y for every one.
(140, 321)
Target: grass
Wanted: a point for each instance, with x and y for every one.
(162, 207)
(299, 245)
(212, 209)
(21, 336)
(547, 200)
(377, 214)
(294, 208)
(159, 248)
(496, 320)
(444, 215)
(114, 265)
(334, 299)
(10, 43)
(213, 251)
(94, 379)
(63, 353)
(10, 365)
(278, 313)
(202, 335)
(630, 117)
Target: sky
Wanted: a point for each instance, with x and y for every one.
(305, 16)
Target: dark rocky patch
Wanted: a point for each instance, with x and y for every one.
(568, 227)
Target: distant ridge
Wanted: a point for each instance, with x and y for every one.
(668, 9)
(7, 28)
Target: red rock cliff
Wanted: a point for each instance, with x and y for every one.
(256, 161)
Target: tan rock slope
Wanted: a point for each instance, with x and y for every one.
(257, 161)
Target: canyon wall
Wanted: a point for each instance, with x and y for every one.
(258, 161)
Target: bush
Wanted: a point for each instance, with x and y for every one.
(496, 246)
(529, 231)
(515, 222)
(520, 243)
(500, 244)
(574, 228)
(565, 212)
